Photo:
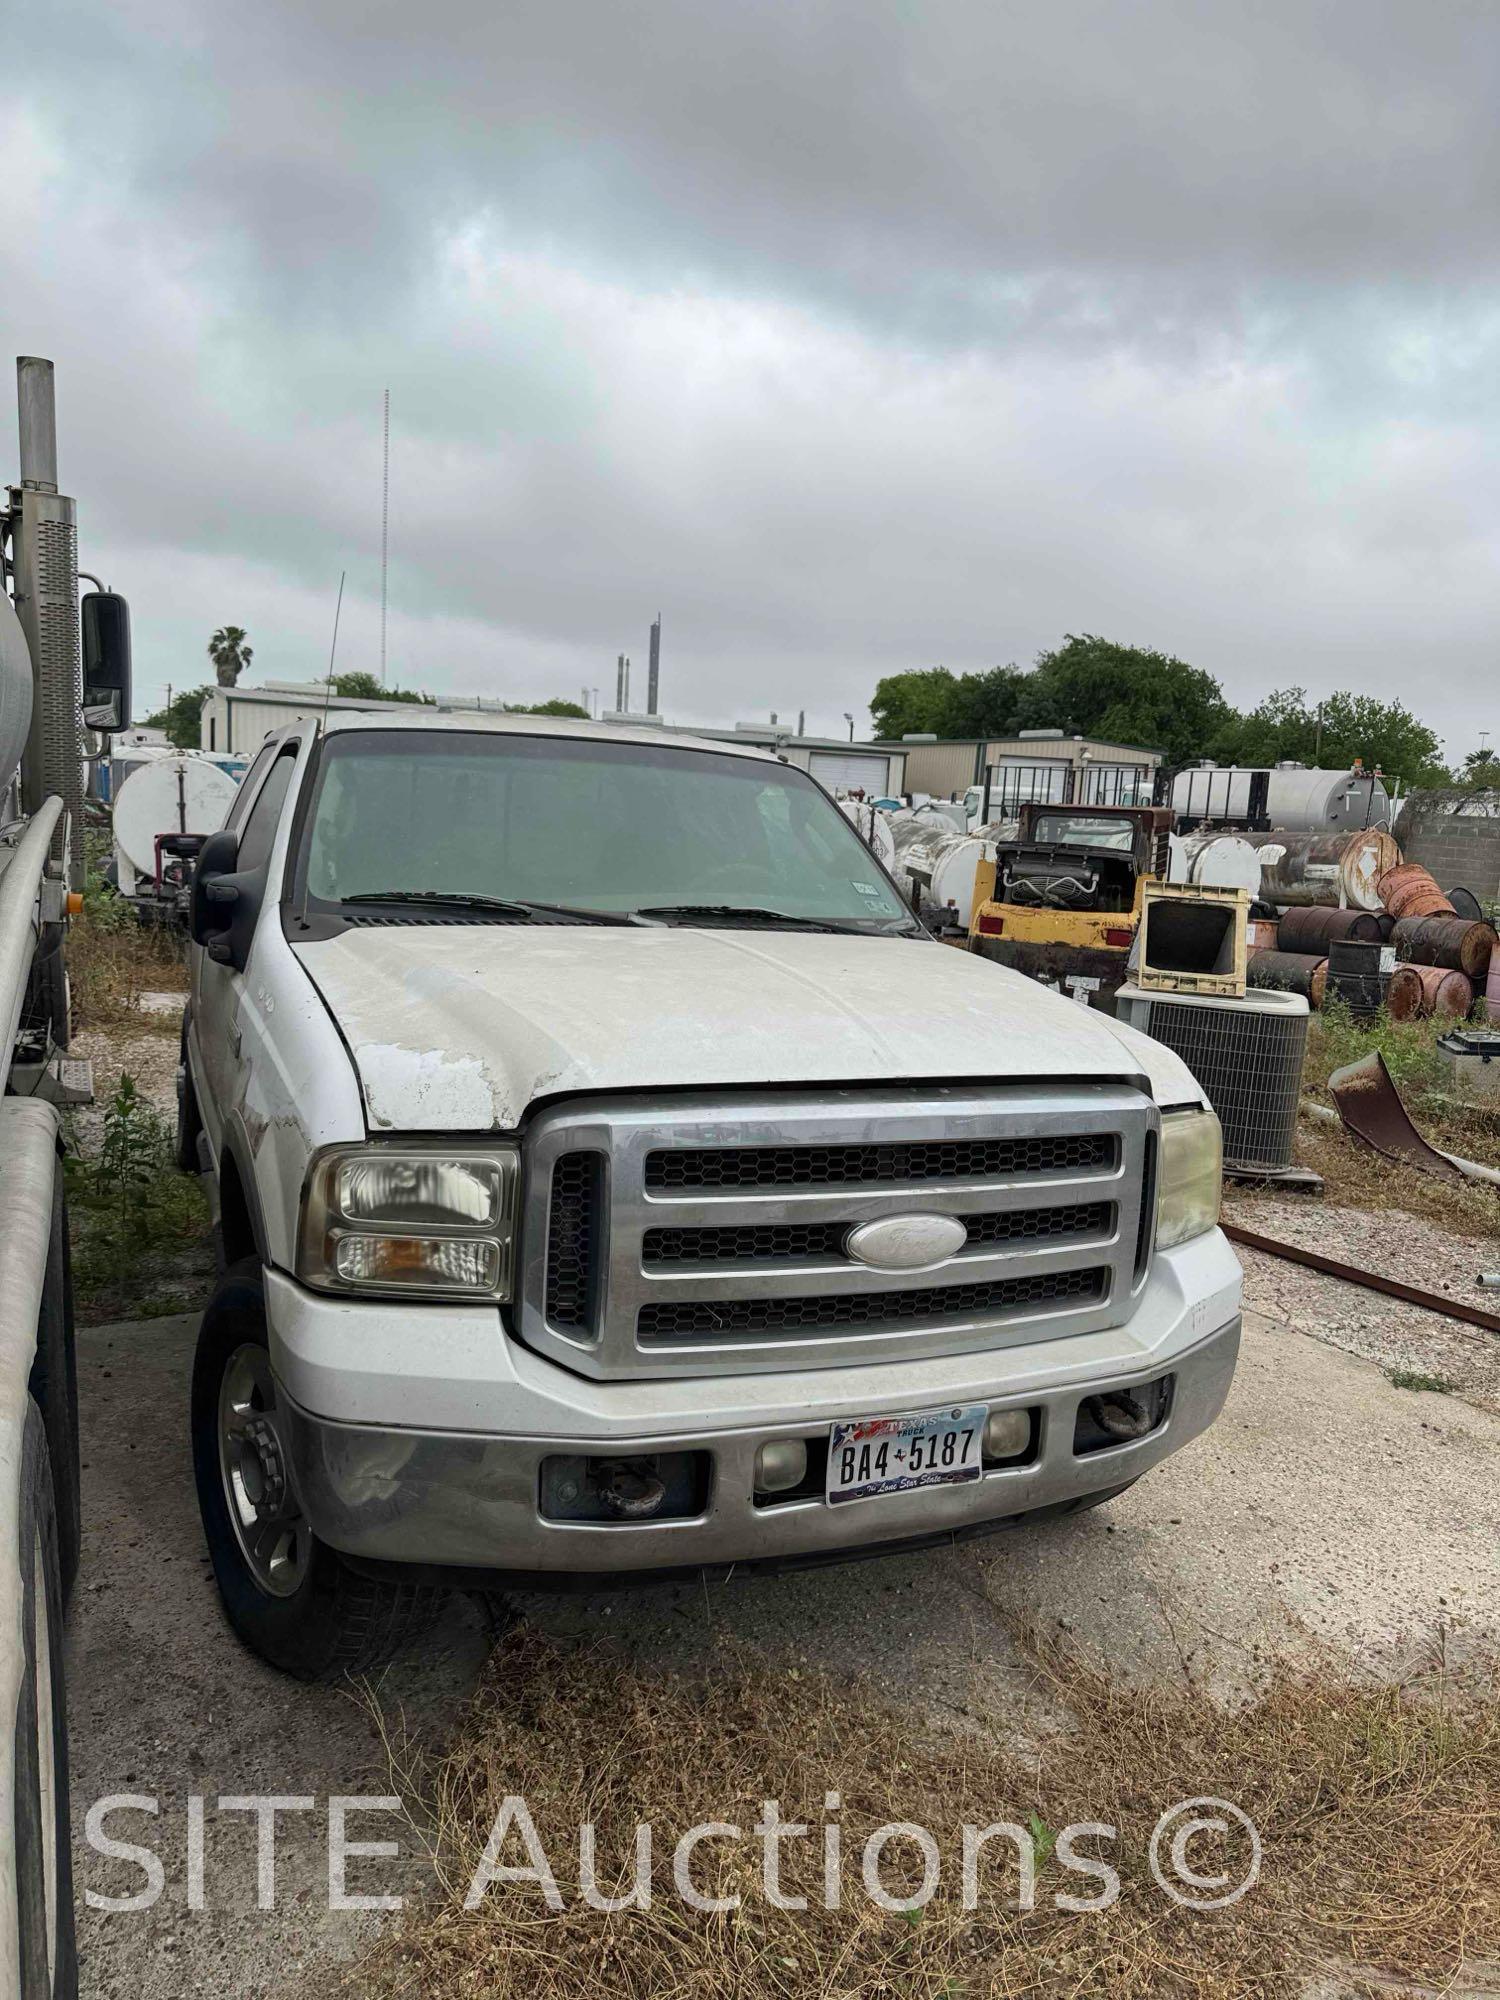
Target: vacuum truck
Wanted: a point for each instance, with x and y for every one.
(64, 682)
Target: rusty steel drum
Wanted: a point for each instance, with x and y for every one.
(1410, 891)
(1339, 870)
(1405, 999)
(1314, 928)
(1450, 941)
(1447, 994)
(1290, 971)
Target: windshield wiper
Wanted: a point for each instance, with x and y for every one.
(501, 906)
(752, 914)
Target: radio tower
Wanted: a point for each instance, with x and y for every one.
(385, 525)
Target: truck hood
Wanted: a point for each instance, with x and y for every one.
(461, 1029)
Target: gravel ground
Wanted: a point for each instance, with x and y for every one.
(1386, 1331)
(149, 1056)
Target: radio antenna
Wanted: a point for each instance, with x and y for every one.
(323, 728)
(385, 525)
(333, 649)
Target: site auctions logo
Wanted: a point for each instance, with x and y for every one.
(516, 1857)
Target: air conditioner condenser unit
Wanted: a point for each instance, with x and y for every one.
(1248, 1056)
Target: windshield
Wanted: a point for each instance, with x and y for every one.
(583, 824)
(1066, 830)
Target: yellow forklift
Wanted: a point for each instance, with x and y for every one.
(1062, 901)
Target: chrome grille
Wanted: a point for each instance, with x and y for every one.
(716, 1238)
(673, 1318)
(778, 1241)
(573, 1240)
(872, 1165)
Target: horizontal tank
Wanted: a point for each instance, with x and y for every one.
(174, 794)
(1342, 870)
(1210, 860)
(15, 692)
(1299, 800)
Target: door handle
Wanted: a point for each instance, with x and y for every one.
(235, 1036)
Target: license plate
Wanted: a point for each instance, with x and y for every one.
(898, 1454)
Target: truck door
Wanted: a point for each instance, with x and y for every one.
(215, 1029)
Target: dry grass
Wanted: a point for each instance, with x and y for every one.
(1377, 1808)
(1356, 1176)
(113, 959)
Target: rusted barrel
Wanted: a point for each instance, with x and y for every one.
(1450, 941)
(1410, 891)
(1444, 993)
(1261, 934)
(1405, 998)
(1315, 929)
(1292, 971)
(1335, 869)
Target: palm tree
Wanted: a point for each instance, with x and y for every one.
(229, 653)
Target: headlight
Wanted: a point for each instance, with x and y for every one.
(1190, 1176)
(438, 1221)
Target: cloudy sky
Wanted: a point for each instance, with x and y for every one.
(852, 334)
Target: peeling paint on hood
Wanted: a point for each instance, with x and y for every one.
(462, 1028)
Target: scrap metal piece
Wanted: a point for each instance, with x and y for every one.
(1372, 1281)
(1371, 1108)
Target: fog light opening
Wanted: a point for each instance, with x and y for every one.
(1007, 1433)
(629, 1488)
(780, 1465)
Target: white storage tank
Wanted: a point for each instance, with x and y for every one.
(184, 793)
(1211, 860)
(1298, 799)
(873, 827)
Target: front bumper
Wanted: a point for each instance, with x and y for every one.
(417, 1434)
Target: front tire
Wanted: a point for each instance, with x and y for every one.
(290, 1598)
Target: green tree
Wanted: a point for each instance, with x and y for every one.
(1089, 686)
(1334, 733)
(230, 653)
(357, 685)
(1480, 768)
(986, 704)
(556, 706)
(913, 703)
(183, 720)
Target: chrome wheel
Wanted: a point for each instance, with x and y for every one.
(274, 1539)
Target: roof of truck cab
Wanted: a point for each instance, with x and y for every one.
(337, 721)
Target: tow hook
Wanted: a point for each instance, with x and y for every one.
(629, 1488)
(1122, 1414)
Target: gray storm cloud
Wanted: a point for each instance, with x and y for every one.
(852, 337)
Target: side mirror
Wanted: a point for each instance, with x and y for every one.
(106, 661)
(225, 903)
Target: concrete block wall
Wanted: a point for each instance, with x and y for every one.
(1461, 852)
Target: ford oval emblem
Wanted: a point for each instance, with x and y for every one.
(906, 1242)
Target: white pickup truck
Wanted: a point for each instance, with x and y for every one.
(614, 1180)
